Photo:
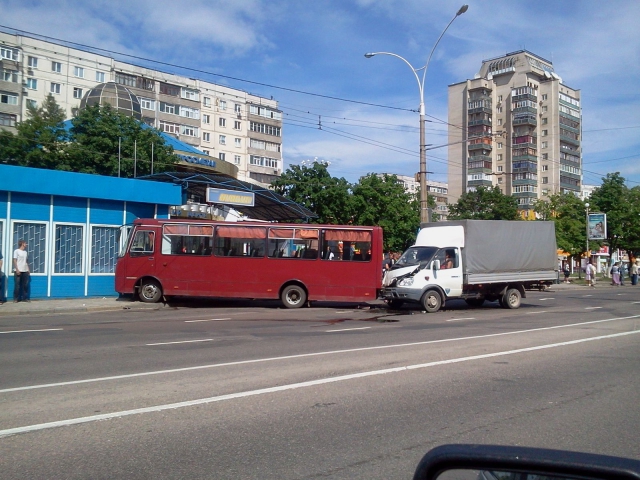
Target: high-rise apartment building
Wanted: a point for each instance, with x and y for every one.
(518, 126)
(231, 125)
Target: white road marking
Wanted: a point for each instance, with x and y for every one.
(592, 308)
(535, 313)
(548, 298)
(347, 329)
(587, 295)
(207, 320)
(293, 386)
(305, 355)
(40, 330)
(458, 319)
(184, 341)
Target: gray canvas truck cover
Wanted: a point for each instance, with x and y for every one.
(501, 250)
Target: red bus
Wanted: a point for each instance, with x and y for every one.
(295, 263)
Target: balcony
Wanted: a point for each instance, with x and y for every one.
(525, 120)
(479, 110)
(530, 110)
(479, 146)
(479, 183)
(525, 96)
(569, 140)
(486, 122)
(525, 181)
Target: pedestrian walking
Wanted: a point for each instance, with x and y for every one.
(21, 273)
(567, 272)
(615, 274)
(590, 274)
(635, 266)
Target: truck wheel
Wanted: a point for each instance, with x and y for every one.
(150, 291)
(475, 302)
(293, 296)
(512, 298)
(431, 301)
(395, 304)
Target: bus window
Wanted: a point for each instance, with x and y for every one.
(293, 243)
(240, 241)
(351, 245)
(143, 243)
(185, 239)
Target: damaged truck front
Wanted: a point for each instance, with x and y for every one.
(473, 260)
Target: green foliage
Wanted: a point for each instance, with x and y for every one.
(326, 196)
(40, 140)
(96, 134)
(91, 146)
(484, 204)
(622, 206)
(569, 214)
(384, 202)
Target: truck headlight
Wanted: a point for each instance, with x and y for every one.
(406, 282)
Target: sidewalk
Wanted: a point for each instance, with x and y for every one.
(71, 305)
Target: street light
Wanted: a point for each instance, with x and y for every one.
(588, 252)
(424, 196)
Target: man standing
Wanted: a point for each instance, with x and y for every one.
(590, 274)
(3, 297)
(21, 273)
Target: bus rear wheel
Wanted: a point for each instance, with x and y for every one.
(150, 291)
(293, 296)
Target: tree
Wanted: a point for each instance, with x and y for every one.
(484, 204)
(40, 140)
(312, 186)
(106, 142)
(568, 213)
(384, 202)
(622, 207)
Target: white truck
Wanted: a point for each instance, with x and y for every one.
(474, 260)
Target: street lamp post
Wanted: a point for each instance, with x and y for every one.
(588, 252)
(424, 195)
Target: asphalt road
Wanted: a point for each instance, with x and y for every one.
(216, 390)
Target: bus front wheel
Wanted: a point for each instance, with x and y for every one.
(293, 296)
(149, 291)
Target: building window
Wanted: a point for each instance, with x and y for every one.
(10, 76)
(206, 118)
(544, 96)
(31, 103)
(77, 92)
(545, 168)
(222, 156)
(55, 88)
(126, 80)
(32, 83)
(499, 157)
(544, 145)
(147, 103)
(189, 131)
(545, 133)
(265, 112)
(8, 99)
(168, 127)
(545, 156)
(167, 89)
(206, 152)
(499, 146)
(222, 122)
(544, 109)
(499, 168)
(206, 101)
(7, 120)
(9, 53)
(545, 180)
(206, 136)
(499, 98)
(223, 139)
(32, 62)
(189, 112)
(238, 142)
(56, 67)
(499, 121)
(222, 104)
(100, 77)
(35, 234)
(266, 129)
(498, 109)
(237, 159)
(545, 120)
(499, 179)
(237, 125)
(78, 72)
(104, 249)
(167, 108)
(68, 249)
(190, 94)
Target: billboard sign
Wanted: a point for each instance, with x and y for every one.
(230, 197)
(597, 226)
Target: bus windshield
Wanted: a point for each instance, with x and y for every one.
(123, 239)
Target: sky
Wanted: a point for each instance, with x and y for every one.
(358, 114)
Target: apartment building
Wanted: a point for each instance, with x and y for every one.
(229, 124)
(518, 126)
(438, 190)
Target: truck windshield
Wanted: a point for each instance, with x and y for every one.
(415, 256)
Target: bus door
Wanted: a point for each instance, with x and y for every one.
(142, 254)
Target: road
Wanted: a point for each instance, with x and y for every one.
(219, 390)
